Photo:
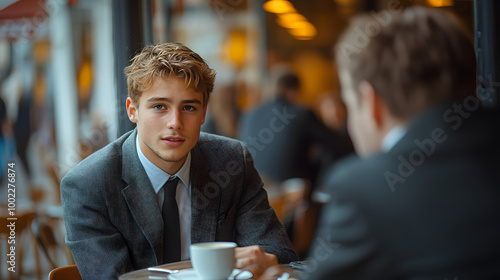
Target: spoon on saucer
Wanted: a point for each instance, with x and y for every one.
(164, 270)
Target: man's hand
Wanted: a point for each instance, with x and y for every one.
(254, 256)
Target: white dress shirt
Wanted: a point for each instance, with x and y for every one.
(392, 138)
(158, 178)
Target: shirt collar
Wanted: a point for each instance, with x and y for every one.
(159, 177)
(392, 138)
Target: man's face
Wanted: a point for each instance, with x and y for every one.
(360, 122)
(169, 117)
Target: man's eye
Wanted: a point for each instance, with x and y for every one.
(189, 108)
(159, 107)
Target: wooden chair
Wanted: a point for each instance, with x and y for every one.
(51, 240)
(69, 272)
(304, 226)
(290, 200)
(286, 197)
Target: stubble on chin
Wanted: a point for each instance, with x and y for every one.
(167, 158)
(171, 159)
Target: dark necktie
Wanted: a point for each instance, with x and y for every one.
(170, 213)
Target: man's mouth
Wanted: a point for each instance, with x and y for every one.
(173, 141)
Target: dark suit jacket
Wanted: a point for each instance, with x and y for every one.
(280, 136)
(114, 224)
(427, 209)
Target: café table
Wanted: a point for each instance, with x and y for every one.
(144, 274)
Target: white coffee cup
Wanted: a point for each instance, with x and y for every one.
(213, 260)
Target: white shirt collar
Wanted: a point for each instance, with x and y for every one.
(392, 138)
(159, 177)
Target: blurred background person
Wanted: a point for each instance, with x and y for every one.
(282, 135)
(333, 113)
(223, 112)
(288, 141)
(422, 202)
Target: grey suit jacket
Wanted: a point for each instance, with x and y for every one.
(427, 209)
(114, 224)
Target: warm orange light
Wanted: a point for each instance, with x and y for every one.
(303, 38)
(344, 2)
(279, 7)
(235, 47)
(289, 19)
(440, 3)
(303, 29)
(301, 25)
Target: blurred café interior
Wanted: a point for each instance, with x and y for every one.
(63, 89)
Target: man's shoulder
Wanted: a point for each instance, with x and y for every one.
(102, 161)
(354, 174)
(218, 149)
(217, 142)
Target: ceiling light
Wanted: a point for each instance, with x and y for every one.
(289, 19)
(279, 7)
(440, 3)
(303, 29)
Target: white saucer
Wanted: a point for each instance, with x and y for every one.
(190, 274)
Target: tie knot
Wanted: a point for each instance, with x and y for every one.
(171, 185)
(173, 178)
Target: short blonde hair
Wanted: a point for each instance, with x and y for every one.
(167, 59)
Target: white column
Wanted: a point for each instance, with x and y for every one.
(65, 88)
(104, 101)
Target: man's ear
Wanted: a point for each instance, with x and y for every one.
(131, 110)
(373, 102)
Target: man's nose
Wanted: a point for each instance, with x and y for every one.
(175, 120)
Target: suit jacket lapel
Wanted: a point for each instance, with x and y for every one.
(141, 198)
(205, 200)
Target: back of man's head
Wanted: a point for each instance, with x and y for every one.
(415, 59)
(287, 84)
